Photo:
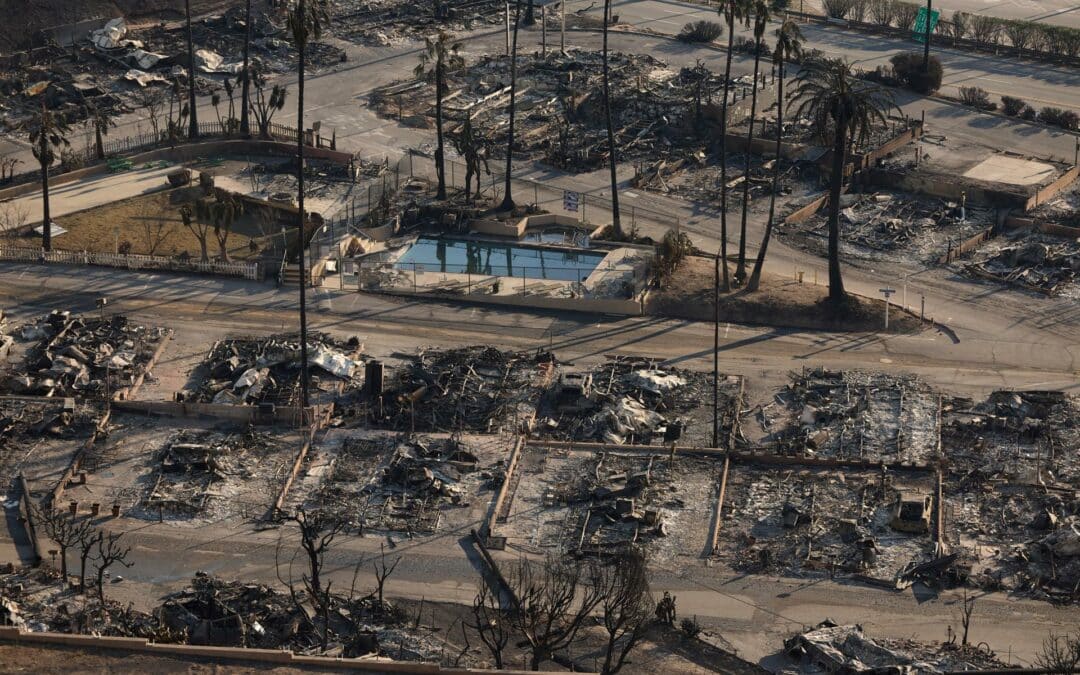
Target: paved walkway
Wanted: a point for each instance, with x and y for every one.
(86, 194)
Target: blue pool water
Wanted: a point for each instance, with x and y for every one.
(459, 256)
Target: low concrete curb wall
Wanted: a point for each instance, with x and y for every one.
(589, 305)
(243, 414)
(231, 654)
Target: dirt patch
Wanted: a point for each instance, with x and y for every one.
(788, 303)
(151, 225)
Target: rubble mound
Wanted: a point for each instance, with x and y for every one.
(253, 371)
(468, 389)
(847, 649)
(635, 400)
(86, 357)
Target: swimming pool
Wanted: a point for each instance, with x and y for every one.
(460, 256)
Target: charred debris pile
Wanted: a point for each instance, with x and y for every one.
(403, 483)
(212, 611)
(1041, 262)
(193, 469)
(875, 417)
(890, 226)
(480, 389)
(660, 112)
(215, 612)
(266, 370)
(635, 400)
(83, 356)
(24, 423)
(1014, 508)
(808, 521)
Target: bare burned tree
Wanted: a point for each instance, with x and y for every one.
(626, 608)
(152, 101)
(1060, 654)
(554, 598)
(87, 542)
(13, 215)
(264, 103)
(965, 616)
(383, 572)
(109, 553)
(7, 168)
(318, 530)
(491, 622)
(199, 228)
(63, 528)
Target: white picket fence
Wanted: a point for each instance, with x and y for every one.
(249, 271)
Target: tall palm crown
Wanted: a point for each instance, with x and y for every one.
(788, 42)
(843, 110)
(825, 88)
(48, 133)
(737, 11)
(440, 54)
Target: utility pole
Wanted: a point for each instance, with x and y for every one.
(562, 32)
(926, 45)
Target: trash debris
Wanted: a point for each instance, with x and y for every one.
(848, 649)
(635, 400)
(254, 371)
(83, 356)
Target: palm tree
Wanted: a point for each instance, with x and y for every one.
(761, 21)
(788, 45)
(100, 122)
(440, 55)
(616, 223)
(49, 134)
(733, 11)
(193, 120)
(508, 200)
(306, 20)
(245, 77)
(844, 110)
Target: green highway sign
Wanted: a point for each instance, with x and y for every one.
(919, 30)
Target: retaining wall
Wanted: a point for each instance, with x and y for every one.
(1050, 191)
(241, 414)
(967, 246)
(231, 654)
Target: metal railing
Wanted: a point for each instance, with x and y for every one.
(552, 198)
(493, 278)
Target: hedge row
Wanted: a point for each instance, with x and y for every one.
(985, 31)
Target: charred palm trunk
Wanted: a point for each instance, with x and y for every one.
(616, 222)
(508, 200)
(245, 95)
(440, 150)
(740, 270)
(193, 128)
(836, 283)
(726, 283)
(46, 223)
(305, 394)
(755, 276)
